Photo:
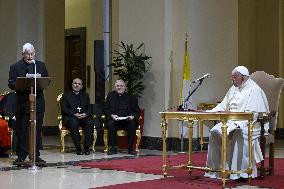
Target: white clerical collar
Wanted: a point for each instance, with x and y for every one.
(120, 94)
(76, 93)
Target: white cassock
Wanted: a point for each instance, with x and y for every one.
(247, 98)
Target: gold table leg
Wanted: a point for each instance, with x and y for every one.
(223, 153)
(250, 128)
(190, 134)
(164, 132)
(201, 125)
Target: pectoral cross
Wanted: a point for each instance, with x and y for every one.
(79, 109)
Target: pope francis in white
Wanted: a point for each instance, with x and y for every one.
(244, 96)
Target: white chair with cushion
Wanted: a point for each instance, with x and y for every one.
(272, 87)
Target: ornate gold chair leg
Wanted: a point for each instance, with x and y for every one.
(95, 139)
(106, 140)
(62, 142)
(138, 134)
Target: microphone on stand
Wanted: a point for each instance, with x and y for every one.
(35, 116)
(33, 62)
(201, 78)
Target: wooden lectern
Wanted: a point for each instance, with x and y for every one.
(28, 84)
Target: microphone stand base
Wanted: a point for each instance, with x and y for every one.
(182, 152)
(34, 168)
(31, 165)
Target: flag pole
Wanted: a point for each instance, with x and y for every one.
(181, 99)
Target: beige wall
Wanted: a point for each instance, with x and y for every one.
(95, 33)
(43, 25)
(146, 24)
(8, 40)
(261, 37)
(222, 34)
(53, 45)
(212, 26)
(77, 13)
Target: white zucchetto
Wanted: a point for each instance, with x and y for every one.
(242, 70)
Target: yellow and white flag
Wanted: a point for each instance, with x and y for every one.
(185, 87)
(185, 90)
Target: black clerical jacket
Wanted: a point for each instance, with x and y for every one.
(121, 105)
(19, 69)
(72, 104)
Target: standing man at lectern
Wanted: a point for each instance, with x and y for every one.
(27, 66)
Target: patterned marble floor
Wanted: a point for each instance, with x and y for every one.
(61, 174)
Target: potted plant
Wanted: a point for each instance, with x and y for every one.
(130, 64)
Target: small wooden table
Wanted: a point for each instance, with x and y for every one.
(191, 117)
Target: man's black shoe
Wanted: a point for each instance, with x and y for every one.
(87, 151)
(19, 161)
(79, 152)
(132, 152)
(3, 155)
(39, 160)
(241, 179)
(112, 151)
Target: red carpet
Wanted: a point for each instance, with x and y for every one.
(180, 179)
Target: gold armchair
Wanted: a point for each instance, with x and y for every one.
(7, 118)
(64, 131)
(122, 133)
(272, 88)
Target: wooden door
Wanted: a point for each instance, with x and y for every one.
(75, 55)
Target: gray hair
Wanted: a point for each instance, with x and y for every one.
(28, 47)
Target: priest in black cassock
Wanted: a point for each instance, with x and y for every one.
(76, 112)
(122, 111)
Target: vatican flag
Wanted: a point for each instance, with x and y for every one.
(184, 100)
(185, 87)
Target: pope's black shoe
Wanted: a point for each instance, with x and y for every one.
(241, 179)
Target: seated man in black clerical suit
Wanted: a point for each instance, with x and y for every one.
(76, 112)
(122, 111)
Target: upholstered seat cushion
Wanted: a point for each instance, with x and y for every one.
(269, 138)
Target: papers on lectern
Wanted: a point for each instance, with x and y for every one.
(33, 75)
